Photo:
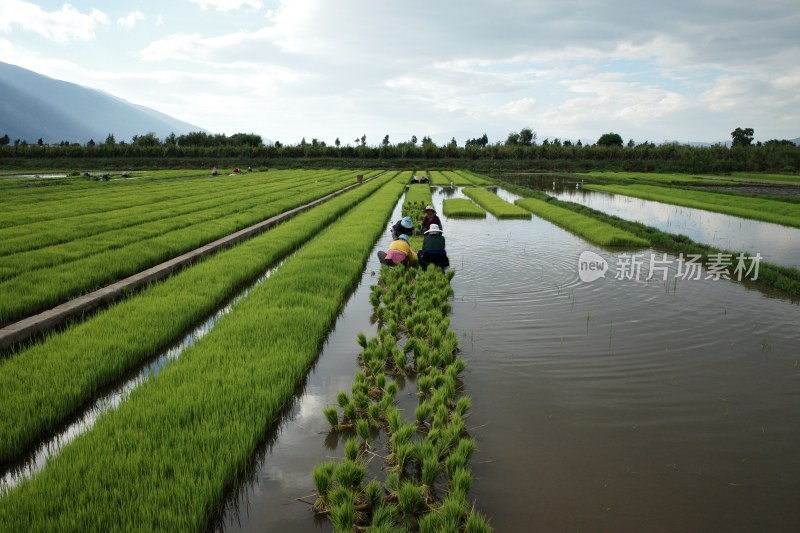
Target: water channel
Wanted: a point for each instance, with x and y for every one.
(611, 405)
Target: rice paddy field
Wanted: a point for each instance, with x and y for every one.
(291, 382)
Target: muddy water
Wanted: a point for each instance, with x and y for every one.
(615, 405)
(776, 244)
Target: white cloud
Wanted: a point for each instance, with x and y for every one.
(227, 5)
(65, 25)
(131, 19)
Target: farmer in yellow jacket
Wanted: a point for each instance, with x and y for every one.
(399, 252)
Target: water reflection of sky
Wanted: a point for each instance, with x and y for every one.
(776, 244)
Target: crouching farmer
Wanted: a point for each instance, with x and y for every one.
(399, 252)
(433, 249)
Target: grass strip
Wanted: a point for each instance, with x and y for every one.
(785, 279)
(775, 211)
(425, 477)
(476, 179)
(494, 204)
(462, 208)
(34, 291)
(47, 382)
(164, 459)
(587, 227)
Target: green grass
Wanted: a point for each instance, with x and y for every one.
(587, 227)
(775, 211)
(43, 384)
(166, 457)
(494, 204)
(462, 208)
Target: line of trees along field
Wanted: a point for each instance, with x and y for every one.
(519, 150)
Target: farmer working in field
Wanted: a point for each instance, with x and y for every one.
(433, 251)
(399, 252)
(430, 218)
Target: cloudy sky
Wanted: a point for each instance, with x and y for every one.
(677, 70)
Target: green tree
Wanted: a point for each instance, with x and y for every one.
(4, 140)
(385, 141)
(527, 137)
(110, 140)
(742, 137)
(610, 139)
(512, 139)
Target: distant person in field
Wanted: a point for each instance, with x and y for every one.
(213, 171)
(433, 249)
(430, 218)
(404, 226)
(399, 252)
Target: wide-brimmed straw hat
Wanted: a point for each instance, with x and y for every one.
(406, 222)
(430, 207)
(434, 229)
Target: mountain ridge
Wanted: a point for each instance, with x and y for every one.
(34, 106)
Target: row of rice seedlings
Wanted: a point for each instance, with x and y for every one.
(477, 179)
(426, 477)
(494, 204)
(764, 209)
(449, 178)
(416, 198)
(53, 203)
(41, 289)
(587, 227)
(142, 209)
(234, 212)
(462, 208)
(47, 382)
(165, 458)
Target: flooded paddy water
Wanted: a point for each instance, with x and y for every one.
(611, 405)
(776, 243)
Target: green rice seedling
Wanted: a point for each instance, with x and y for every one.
(453, 462)
(459, 365)
(440, 418)
(383, 520)
(352, 449)
(350, 474)
(401, 456)
(392, 485)
(373, 493)
(331, 415)
(361, 338)
(323, 481)
(361, 400)
(339, 495)
(453, 508)
(476, 523)
(430, 473)
(466, 447)
(362, 429)
(391, 389)
(343, 516)
(432, 523)
(409, 499)
(380, 380)
(393, 419)
(422, 412)
(463, 405)
(350, 412)
(342, 399)
(461, 480)
(404, 434)
(375, 413)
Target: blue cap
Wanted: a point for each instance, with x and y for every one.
(407, 222)
(403, 236)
